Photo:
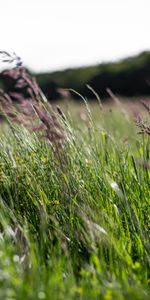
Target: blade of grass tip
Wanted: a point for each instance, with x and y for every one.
(118, 103)
(96, 95)
(64, 118)
(112, 96)
(43, 98)
(86, 104)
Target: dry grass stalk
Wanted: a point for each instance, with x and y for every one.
(22, 104)
(146, 106)
(144, 128)
(113, 96)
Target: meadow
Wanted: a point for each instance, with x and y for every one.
(74, 199)
(74, 214)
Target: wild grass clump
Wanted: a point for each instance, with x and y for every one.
(74, 218)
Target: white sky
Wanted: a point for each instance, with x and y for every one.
(56, 34)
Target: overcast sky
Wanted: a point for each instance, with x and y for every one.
(56, 34)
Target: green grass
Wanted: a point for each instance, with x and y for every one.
(74, 218)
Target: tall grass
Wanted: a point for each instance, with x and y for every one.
(74, 200)
(75, 220)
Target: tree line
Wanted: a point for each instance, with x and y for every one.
(128, 77)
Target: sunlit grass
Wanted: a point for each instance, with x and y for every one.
(75, 218)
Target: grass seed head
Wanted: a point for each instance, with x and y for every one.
(22, 101)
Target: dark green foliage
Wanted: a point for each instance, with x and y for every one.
(128, 77)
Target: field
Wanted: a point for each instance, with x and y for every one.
(74, 213)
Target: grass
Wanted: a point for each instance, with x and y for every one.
(74, 216)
